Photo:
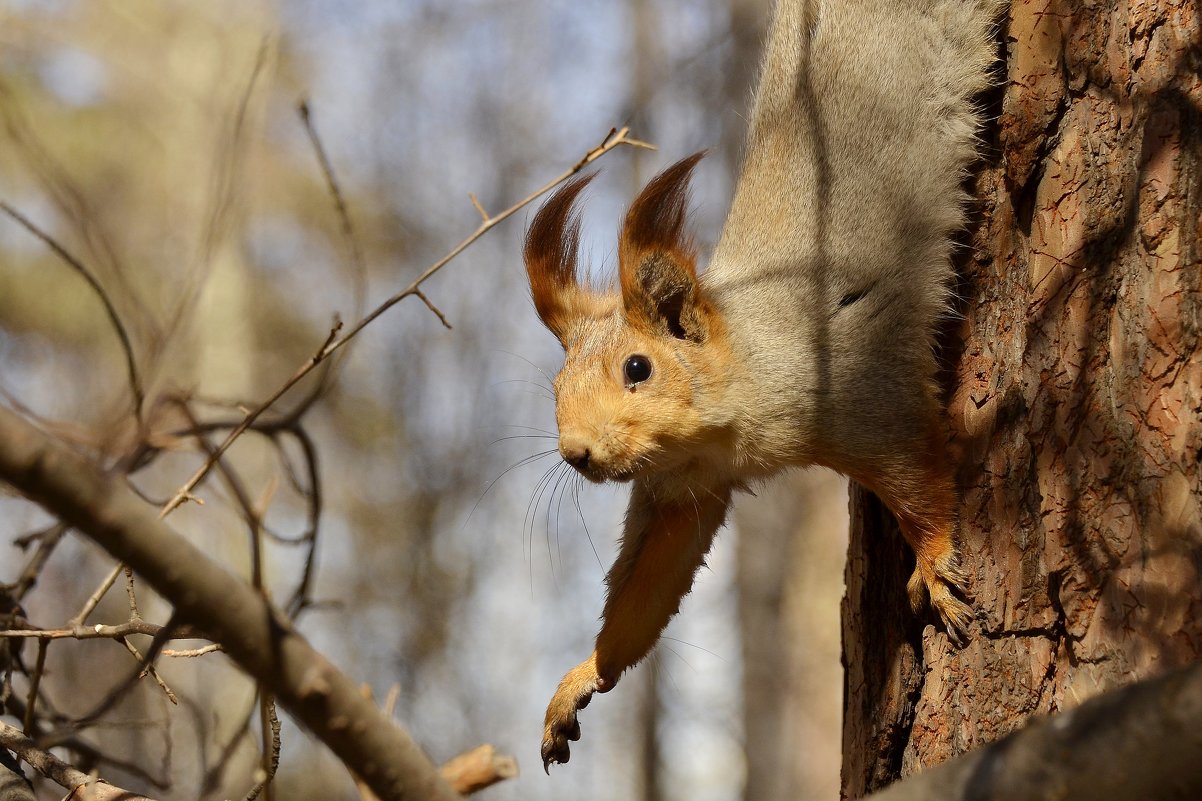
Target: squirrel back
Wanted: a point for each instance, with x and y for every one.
(810, 338)
(834, 261)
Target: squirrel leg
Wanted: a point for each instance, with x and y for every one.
(923, 502)
(937, 574)
(663, 545)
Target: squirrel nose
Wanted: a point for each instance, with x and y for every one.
(575, 452)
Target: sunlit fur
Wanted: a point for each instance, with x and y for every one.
(666, 424)
(674, 427)
(810, 337)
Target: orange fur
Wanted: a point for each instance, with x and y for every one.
(551, 248)
(664, 545)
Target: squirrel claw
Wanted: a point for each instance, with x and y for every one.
(955, 614)
(941, 589)
(556, 736)
(562, 725)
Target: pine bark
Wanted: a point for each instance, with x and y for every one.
(1074, 383)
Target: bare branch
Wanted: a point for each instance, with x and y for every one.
(271, 751)
(148, 668)
(82, 787)
(47, 540)
(479, 768)
(442, 318)
(476, 203)
(615, 139)
(344, 217)
(101, 632)
(94, 599)
(192, 653)
(253, 632)
(131, 366)
(35, 680)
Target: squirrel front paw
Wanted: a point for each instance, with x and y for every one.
(561, 724)
(941, 580)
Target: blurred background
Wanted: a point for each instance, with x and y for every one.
(159, 142)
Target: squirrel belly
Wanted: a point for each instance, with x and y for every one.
(810, 337)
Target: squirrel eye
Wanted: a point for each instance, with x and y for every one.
(637, 370)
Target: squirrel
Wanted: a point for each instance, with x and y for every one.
(809, 340)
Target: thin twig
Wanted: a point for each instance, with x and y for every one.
(615, 139)
(344, 217)
(476, 203)
(47, 539)
(253, 518)
(152, 653)
(129, 593)
(271, 747)
(192, 653)
(430, 305)
(35, 679)
(94, 599)
(147, 669)
(82, 786)
(135, 381)
(100, 632)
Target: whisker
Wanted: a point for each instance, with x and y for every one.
(561, 485)
(715, 655)
(697, 509)
(531, 516)
(541, 395)
(532, 428)
(527, 361)
(514, 466)
(522, 436)
(522, 381)
(528, 540)
(576, 500)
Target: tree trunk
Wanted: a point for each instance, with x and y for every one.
(1075, 402)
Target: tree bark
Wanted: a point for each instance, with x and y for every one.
(1075, 402)
(1136, 743)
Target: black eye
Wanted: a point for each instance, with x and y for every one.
(637, 370)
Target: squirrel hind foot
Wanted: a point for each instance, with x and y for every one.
(941, 588)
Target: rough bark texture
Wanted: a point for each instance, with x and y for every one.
(1075, 401)
(1140, 742)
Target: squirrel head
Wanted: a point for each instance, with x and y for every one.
(630, 399)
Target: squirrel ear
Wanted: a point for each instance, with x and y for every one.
(657, 260)
(550, 254)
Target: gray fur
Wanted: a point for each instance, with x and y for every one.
(861, 134)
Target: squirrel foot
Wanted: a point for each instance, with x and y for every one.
(940, 580)
(561, 724)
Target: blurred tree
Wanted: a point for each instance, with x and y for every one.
(159, 143)
(1076, 402)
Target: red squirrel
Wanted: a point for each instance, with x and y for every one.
(810, 337)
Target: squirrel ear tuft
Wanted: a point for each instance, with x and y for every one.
(550, 252)
(657, 259)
